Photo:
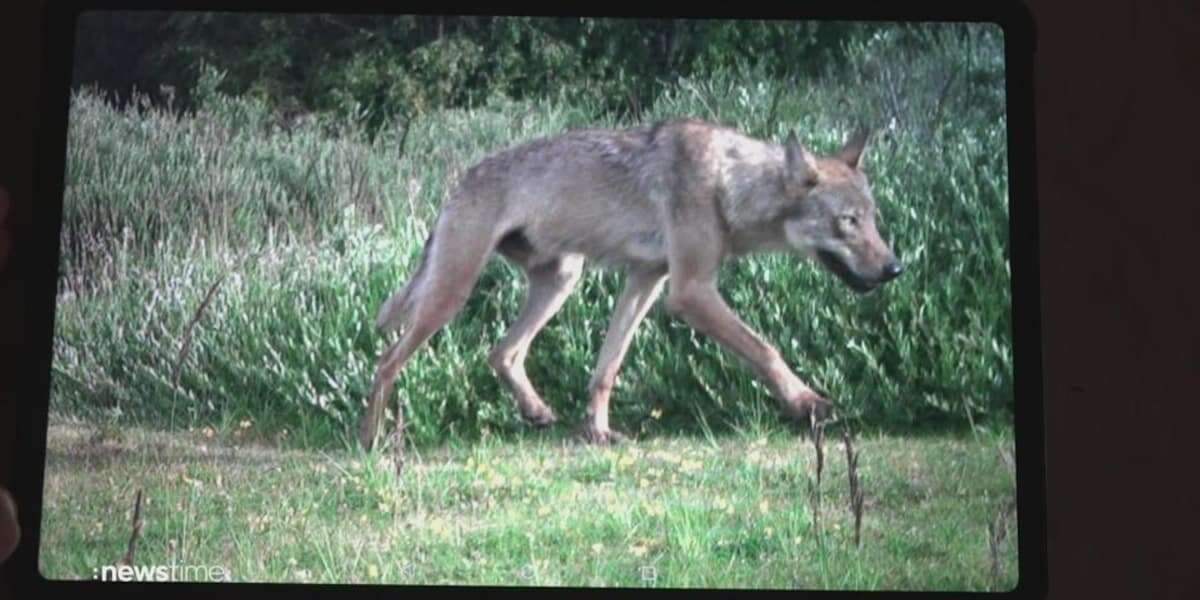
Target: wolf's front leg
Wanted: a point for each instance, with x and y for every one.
(642, 287)
(697, 244)
(701, 305)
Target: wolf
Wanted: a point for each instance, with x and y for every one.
(668, 201)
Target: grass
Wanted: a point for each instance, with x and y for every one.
(727, 512)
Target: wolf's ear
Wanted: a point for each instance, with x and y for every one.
(853, 151)
(801, 165)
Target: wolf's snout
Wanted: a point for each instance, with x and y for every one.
(892, 270)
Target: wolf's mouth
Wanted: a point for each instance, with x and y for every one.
(838, 267)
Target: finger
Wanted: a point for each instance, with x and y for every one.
(10, 531)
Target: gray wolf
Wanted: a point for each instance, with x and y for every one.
(668, 201)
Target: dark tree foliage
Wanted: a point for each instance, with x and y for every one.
(397, 66)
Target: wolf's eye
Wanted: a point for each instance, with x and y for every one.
(851, 220)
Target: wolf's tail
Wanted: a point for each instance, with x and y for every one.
(393, 315)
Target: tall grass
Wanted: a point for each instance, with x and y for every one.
(299, 234)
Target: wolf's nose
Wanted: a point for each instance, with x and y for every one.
(892, 270)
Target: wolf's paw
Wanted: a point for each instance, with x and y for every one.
(808, 408)
(540, 416)
(601, 437)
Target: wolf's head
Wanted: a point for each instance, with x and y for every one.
(831, 214)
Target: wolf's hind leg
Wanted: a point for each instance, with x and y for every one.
(454, 263)
(641, 289)
(549, 285)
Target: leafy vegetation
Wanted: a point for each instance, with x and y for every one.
(219, 265)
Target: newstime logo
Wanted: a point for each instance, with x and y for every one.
(143, 573)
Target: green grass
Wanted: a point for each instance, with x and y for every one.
(727, 512)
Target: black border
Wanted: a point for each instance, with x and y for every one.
(37, 253)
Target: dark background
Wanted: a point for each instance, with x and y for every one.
(1116, 86)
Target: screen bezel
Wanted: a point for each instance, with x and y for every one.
(36, 253)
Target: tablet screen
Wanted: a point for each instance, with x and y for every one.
(534, 302)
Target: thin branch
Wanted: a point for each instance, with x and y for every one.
(997, 533)
(187, 333)
(359, 30)
(856, 493)
(818, 439)
(941, 102)
(137, 529)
